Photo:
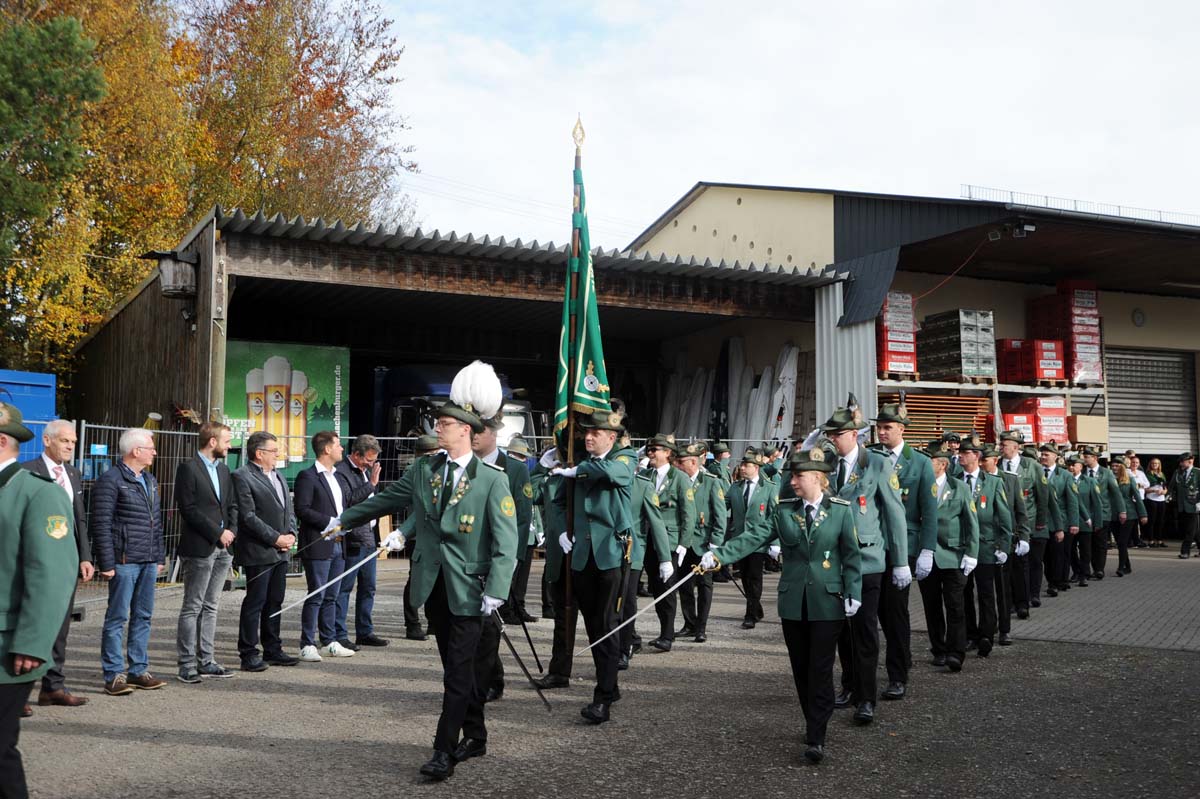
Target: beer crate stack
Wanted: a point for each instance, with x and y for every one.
(1031, 361)
(958, 346)
(1072, 315)
(895, 338)
(1045, 416)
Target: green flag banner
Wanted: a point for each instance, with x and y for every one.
(582, 383)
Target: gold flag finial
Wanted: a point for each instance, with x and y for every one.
(577, 132)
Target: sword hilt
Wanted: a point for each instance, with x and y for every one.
(700, 570)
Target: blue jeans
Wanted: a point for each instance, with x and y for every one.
(130, 599)
(364, 601)
(320, 610)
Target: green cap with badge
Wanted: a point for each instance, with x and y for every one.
(426, 444)
(10, 423)
(811, 460)
(1016, 436)
(893, 412)
(603, 420)
(664, 441)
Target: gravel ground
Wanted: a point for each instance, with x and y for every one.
(1035, 719)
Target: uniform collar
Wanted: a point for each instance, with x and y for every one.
(5, 464)
(491, 457)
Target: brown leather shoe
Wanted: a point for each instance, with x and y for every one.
(26, 712)
(60, 697)
(146, 681)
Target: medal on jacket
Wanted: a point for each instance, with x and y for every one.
(826, 564)
(762, 508)
(982, 501)
(466, 523)
(862, 505)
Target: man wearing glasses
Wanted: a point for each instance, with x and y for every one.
(358, 474)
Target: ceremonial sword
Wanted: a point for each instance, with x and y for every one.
(516, 657)
(697, 569)
(346, 573)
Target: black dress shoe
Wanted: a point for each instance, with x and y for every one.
(686, 631)
(1050, 591)
(1022, 613)
(623, 662)
(281, 659)
(494, 693)
(939, 660)
(469, 748)
(1005, 640)
(26, 712)
(254, 665)
(1034, 602)
(636, 649)
(1098, 576)
(1082, 583)
(865, 713)
(1064, 586)
(372, 640)
(415, 634)
(700, 638)
(526, 616)
(552, 680)
(748, 624)
(985, 647)
(346, 642)
(815, 753)
(643, 592)
(972, 645)
(895, 691)
(953, 663)
(439, 767)
(661, 645)
(844, 699)
(595, 713)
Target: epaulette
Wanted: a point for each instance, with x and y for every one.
(838, 500)
(782, 500)
(878, 447)
(39, 476)
(644, 477)
(494, 466)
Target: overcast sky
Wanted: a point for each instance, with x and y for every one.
(1091, 100)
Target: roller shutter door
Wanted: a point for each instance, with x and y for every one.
(1151, 401)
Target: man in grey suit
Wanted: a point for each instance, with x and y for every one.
(266, 531)
(59, 441)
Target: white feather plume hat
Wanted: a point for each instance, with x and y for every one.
(475, 395)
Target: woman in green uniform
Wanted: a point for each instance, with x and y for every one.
(1133, 501)
(820, 587)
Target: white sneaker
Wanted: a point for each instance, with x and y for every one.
(309, 654)
(336, 650)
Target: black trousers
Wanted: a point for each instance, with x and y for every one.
(1100, 546)
(1003, 598)
(1018, 580)
(466, 646)
(265, 587)
(897, 627)
(1125, 533)
(520, 584)
(752, 583)
(595, 591)
(547, 595)
(1156, 517)
(695, 595)
(1187, 525)
(54, 679)
(629, 634)
(942, 595)
(811, 646)
(1037, 553)
(981, 586)
(12, 773)
(858, 643)
(666, 608)
(1081, 555)
(1057, 561)
(562, 655)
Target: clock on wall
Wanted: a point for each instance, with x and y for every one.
(1139, 317)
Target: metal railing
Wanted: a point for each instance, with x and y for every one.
(983, 193)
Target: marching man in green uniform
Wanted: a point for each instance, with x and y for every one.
(995, 536)
(678, 505)
(1185, 488)
(820, 587)
(709, 533)
(38, 563)
(548, 491)
(1064, 520)
(719, 465)
(647, 526)
(1027, 558)
(1112, 507)
(1090, 513)
(943, 572)
(752, 500)
(465, 522)
(1020, 517)
(603, 524)
(868, 481)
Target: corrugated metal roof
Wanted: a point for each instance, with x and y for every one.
(417, 240)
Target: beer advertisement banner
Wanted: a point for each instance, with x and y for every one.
(291, 390)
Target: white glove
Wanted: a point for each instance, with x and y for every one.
(541, 539)
(1022, 549)
(773, 551)
(665, 570)
(852, 606)
(395, 541)
(901, 576)
(565, 471)
(711, 547)
(968, 564)
(549, 459)
(680, 552)
(924, 563)
(1001, 557)
(565, 542)
(490, 605)
(708, 561)
(333, 528)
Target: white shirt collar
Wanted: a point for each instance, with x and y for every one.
(662, 470)
(462, 460)
(5, 464)
(808, 505)
(973, 475)
(851, 456)
(601, 455)
(941, 482)
(898, 450)
(491, 457)
(51, 465)
(322, 469)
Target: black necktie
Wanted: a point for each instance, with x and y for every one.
(448, 489)
(1046, 469)
(841, 475)
(971, 483)
(748, 487)
(810, 516)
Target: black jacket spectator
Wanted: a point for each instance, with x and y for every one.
(204, 516)
(38, 466)
(261, 519)
(314, 509)
(126, 520)
(355, 488)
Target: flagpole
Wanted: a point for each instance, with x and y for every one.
(570, 611)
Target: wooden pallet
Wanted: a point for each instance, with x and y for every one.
(1048, 383)
(968, 379)
(903, 376)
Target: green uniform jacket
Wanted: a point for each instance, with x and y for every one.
(1017, 507)
(521, 488)
(958, 525)
(603, 499)
(38, 564)
(473, 545)
(647, 522)
(1064, 503)
(678, 504)
(712, 515)
(955, 469)
(720, 469)
(756, 517)
(1036, 491)
(821, 566)
(1133, 500)
(873, 490)
(1185, 488)
(1090, 511)
(549, 491)
(994, 515)
(1111, 502)
(914, 471)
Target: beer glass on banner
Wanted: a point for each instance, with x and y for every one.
(277, 379)
(298, 418)
(254, 400)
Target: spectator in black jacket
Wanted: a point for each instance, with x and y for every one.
(207, 505)
(266, 531)
(126, 524)
(358, 475)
